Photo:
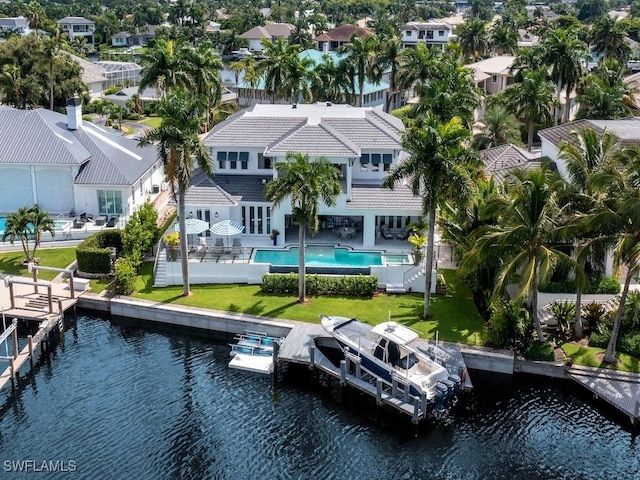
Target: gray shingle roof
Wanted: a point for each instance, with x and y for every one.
(501, 160)
(14, 22)
(91, 73)
(626, 130)
(75, 20)
(41, 137)
(205, 191)
(279, 129)
(248, 188)
(380, 198)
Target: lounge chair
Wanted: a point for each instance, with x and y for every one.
(112, 221)
(237, 242)
(202, 244)
(78, 223)
(236, 251)
(386, 233)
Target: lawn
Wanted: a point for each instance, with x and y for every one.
(11, 262)
(581, 355)
(454, 316)
(153, 122)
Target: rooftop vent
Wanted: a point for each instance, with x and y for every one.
(329, 104)
(295, 105)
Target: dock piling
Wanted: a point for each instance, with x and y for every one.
(358, 367)
(394, 387)
(12, 366)
(343, 372)
(14, 336)
(416, 409)
(379, 391)
(312, 357)
(405, 391)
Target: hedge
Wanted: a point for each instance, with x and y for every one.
(94, 256)
(608, 285)
(349, 285)
(541, 351)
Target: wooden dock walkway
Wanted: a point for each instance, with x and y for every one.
(619, 389)
(299, 347)
(33, 305)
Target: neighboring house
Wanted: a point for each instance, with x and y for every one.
(362, 143)
(79, 27)
(374, 93)
(332, 40)
(150, 94)
(64, 164)
(432, 34)
(93, 76)
(269, 31)
(212, 27)
(501, 160)
(493, 74)
(19, 25)
(128, 39)
(526, 39)
(626, 131)
(120, 73)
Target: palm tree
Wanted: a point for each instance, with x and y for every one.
(11, 84)
(609, 38)
(27, 222)
(202, 67)
(361, 53)
(162, 68)
(297, 78)
(522, 238)
(437, 167)
(504, 38)
(178, 147)
(564, 53)
(35, 14)
(531, 100)
(498, 127)
(331, 80)
(416, 65)
(306, 183)
(617, 217)
(473, 38)
(604, 94)
(51, 52)
(388, 59)
(272, 66)
(583, 155)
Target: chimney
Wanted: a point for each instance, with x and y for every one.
(74, 113)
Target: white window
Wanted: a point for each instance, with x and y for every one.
(110, 201)
(494, 79)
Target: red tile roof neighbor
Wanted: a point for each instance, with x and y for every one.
(343, 33)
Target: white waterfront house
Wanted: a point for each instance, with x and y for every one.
(19, 25)
(270, 31)
(362, 143)
(79, 27)
(64, 164)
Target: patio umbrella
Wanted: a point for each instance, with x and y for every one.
(226, 228)
(195, 226)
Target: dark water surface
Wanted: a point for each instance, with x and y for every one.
(139, 403)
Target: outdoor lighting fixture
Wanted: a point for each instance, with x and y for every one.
(216, 215)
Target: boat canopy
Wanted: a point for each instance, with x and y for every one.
(396, 333)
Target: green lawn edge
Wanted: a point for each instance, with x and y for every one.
(586, 356)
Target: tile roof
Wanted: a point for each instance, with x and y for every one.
(343, 33)
(270, 30)
(336, 130)
(494, 65)
(14, 22)
(205, 191)
(91, 73)
(626, 130)
(41, 137)
(499, 161)
(76, 20)
(376, 197)
(230, 189)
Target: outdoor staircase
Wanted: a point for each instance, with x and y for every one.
(547, 318)
(410, 277)
(160, 279)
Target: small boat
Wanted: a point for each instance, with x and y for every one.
(386, 351)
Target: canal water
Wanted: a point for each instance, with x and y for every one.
(122, 402)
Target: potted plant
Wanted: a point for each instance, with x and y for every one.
(441, 285)
(274, 236)
(172, 240)
(419, 242)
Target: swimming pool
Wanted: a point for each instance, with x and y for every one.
(58, 224)
(325, 256)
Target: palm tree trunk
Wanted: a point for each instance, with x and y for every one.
(610, 356)
(556, 116)
(530, 136)
(567, 102)
(534, 305)
(51, 86)
(302, 280)
(429, 262)
(361, 82)
(184, 247)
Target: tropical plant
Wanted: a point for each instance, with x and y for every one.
(437, 167)
(53, 47)
(361, 53)
(498, 127)
(473, 38)
(564, 53)
(563, 312)
(524, 236)
(504, 38)
(25, 224)
(609, 39)
(306, 183)
(388, 60)
(162, 67)
(178, 147)
(532, 100)
(272, 66)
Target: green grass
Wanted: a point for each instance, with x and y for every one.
(98, 285)
(454, 316)
(11, 262)
(581, 355)
(153, 122)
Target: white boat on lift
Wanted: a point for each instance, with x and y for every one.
(386, 351)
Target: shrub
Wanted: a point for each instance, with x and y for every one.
(630, 343)
(506, 323)
(94, 255)
(609, 285)
(600, 340)
(594, 316)
(542, 351)
(140, 234)
(125, 276)
(349, 285)
(564, 312)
